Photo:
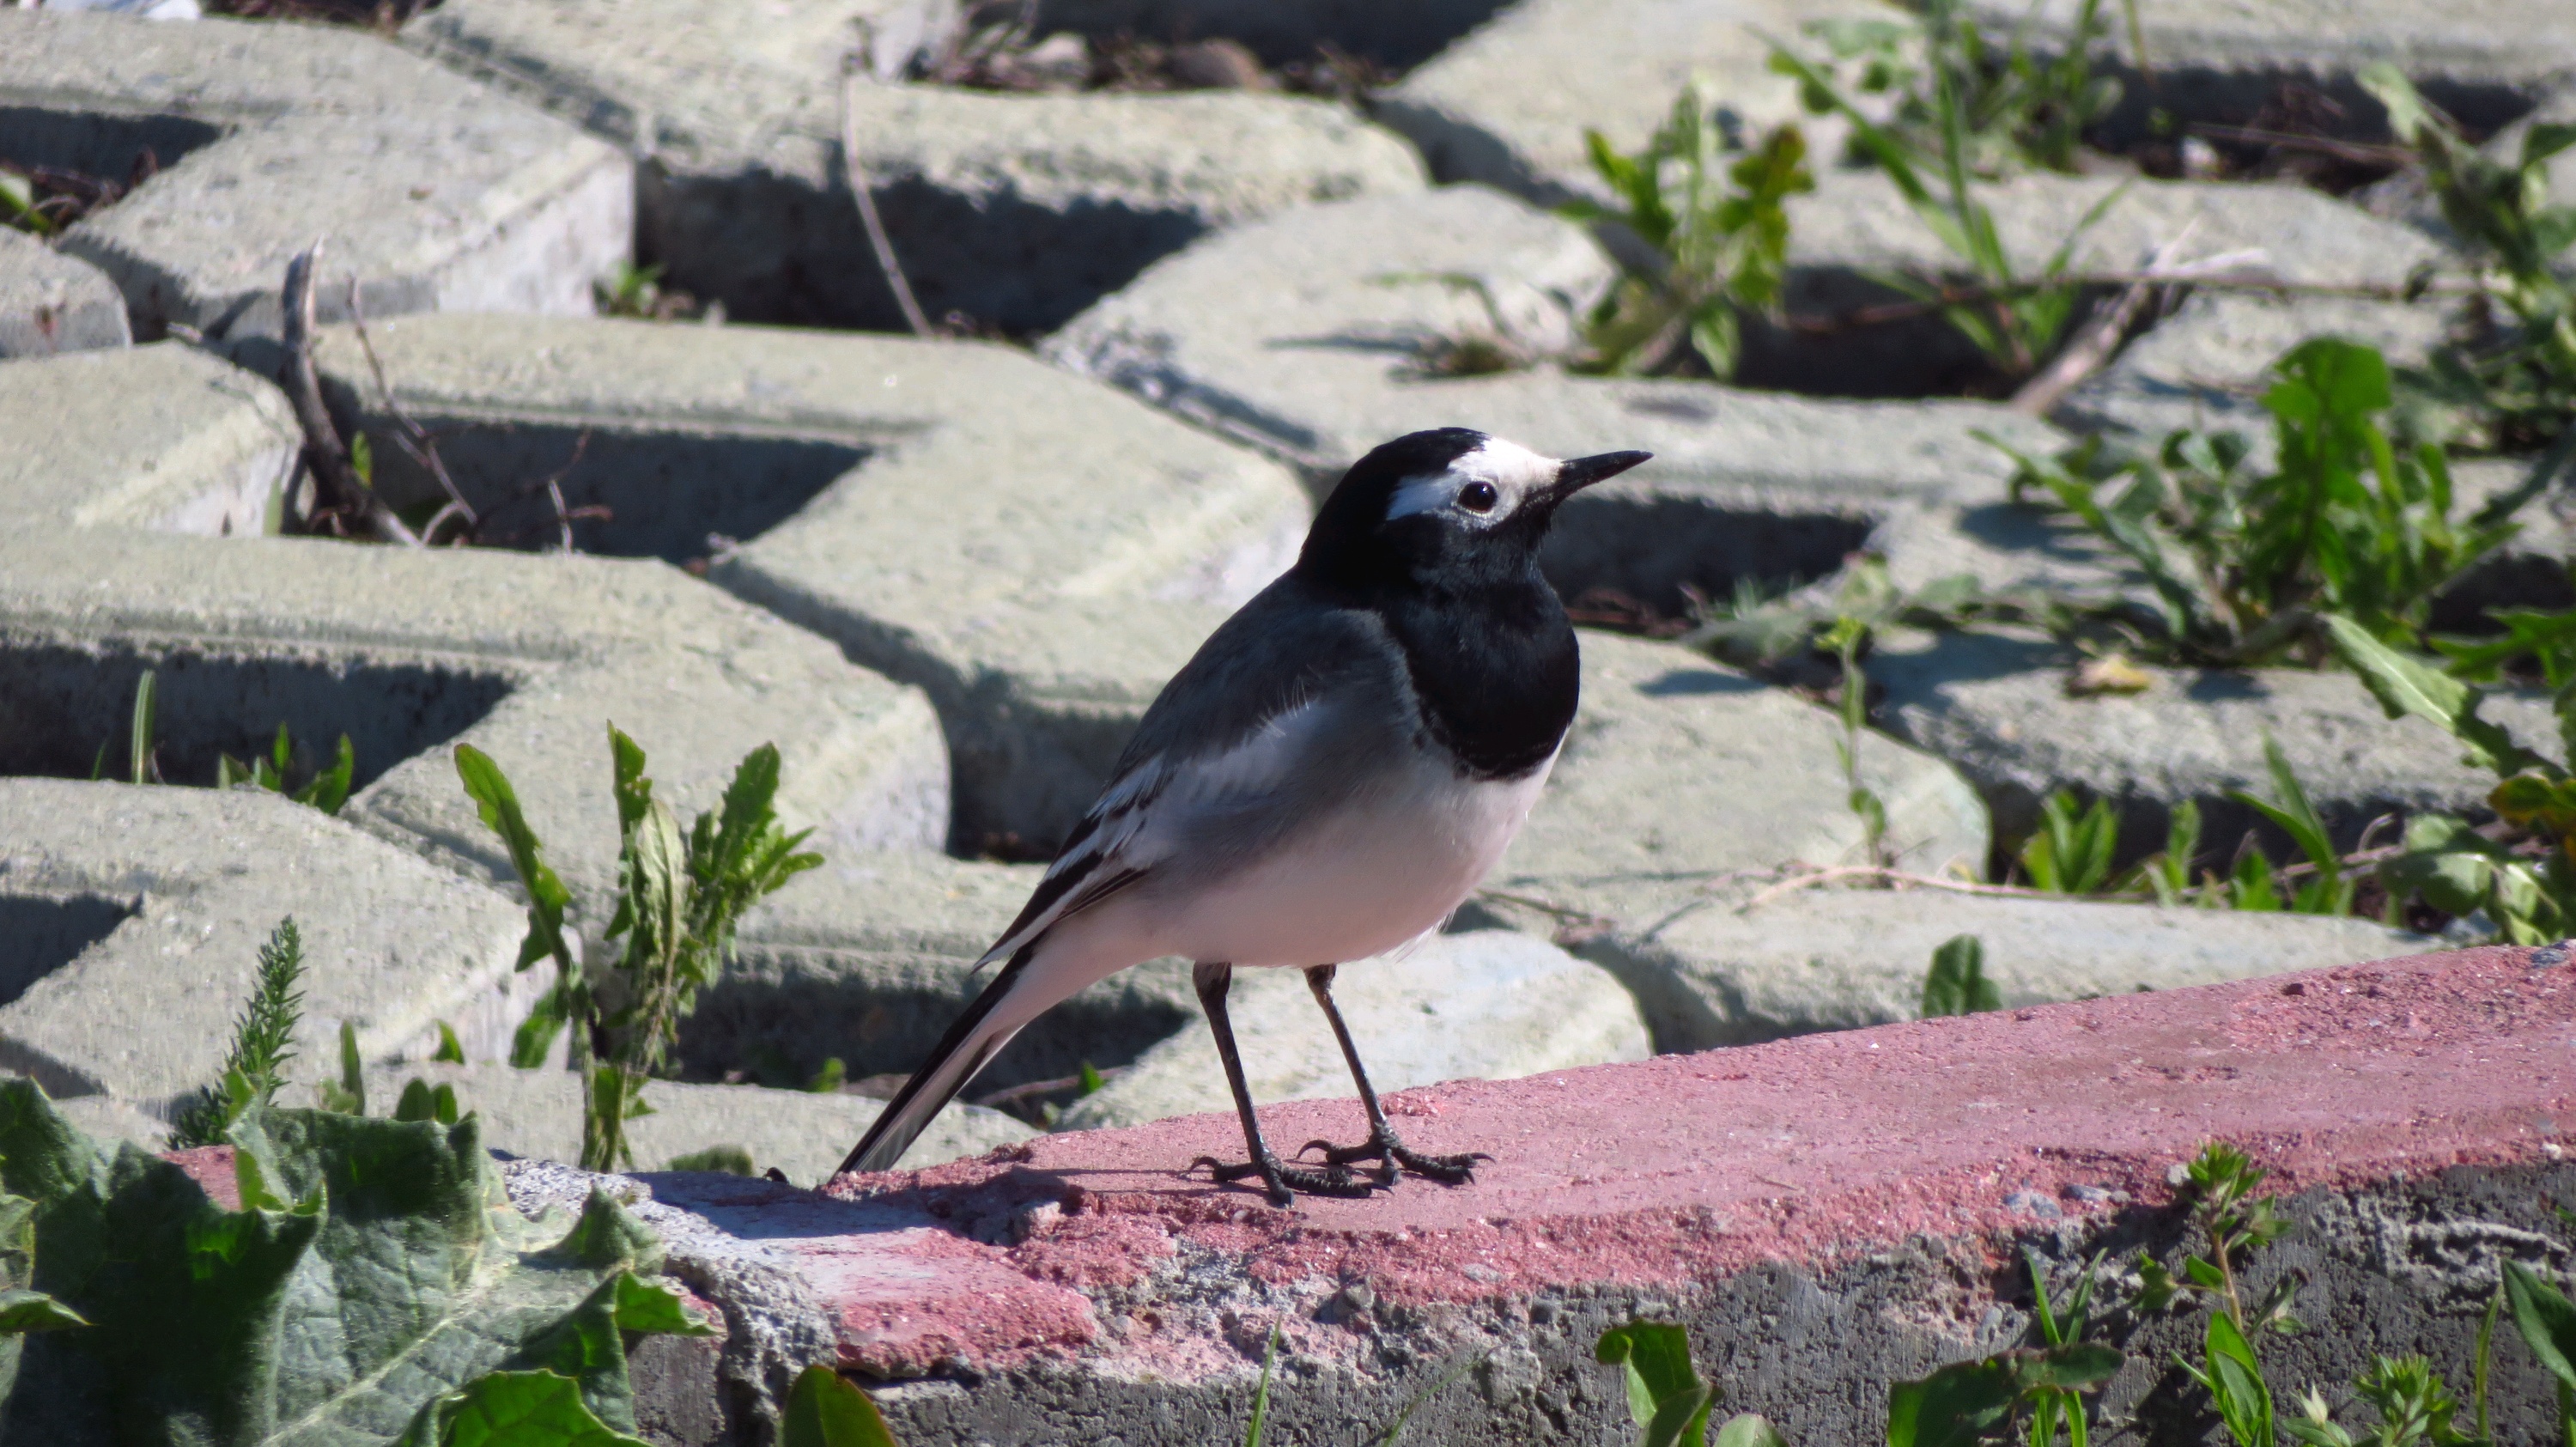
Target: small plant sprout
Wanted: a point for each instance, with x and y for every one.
(1720, 248)
(2072, 852)
(2413, 1406)
(1259, 1423)
(679, 898)
(1844, 639)
(327, 790)
(263, 1041)
(1667, 1399)
(1957, 984)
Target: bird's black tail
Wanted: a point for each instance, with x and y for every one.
(970, 1045)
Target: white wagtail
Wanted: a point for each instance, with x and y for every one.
(1326, 780)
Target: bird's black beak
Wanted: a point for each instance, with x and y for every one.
(1576, 474)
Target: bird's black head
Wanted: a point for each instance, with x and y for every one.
(1449, 504)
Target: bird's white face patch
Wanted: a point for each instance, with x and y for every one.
(1480, 489)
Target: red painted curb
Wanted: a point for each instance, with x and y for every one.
(1686, 1168)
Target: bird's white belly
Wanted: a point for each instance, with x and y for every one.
(1360, 881)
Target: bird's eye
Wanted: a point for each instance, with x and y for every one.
(1478, 497)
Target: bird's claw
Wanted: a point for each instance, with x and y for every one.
(1393, 1153)
(1283, 1181)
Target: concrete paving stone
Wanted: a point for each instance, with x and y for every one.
(1856, 225)
(2205, 366)
(1037, 552)
(1825, 1215)
(432, 193)
(138, 914)
(2222, 60)
(871, 959)
(1508, 105)
(1017, 210)
(1301, 335)
(1482, 1004)
(1842, 959)
(406, 651)
(536, 1114)
(1996, 708)
(53, 303)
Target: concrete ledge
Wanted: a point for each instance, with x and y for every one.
(1825, 1214)
(433, 193)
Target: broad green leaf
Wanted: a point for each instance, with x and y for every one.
(515, 1409)
(1957, 984)
(1745, 1429)
(825, 1410)
(1666, 1397)
(2404, 686)
(1959, 1405)
(2235, 1380)
(400, 1272)
(23, 1311)
(2546, 1320)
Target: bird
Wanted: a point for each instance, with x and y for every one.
(1326, 780)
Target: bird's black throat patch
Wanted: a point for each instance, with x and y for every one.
(1495, 667)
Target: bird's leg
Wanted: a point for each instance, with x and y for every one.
(1383, 1142)
(1278, 1177)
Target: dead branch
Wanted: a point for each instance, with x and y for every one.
(878, 241)
(1885, 875)
(2100, 340)
(413, 438)
(345, 493)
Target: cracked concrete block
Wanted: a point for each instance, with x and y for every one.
(1996, 708)
(53, 303)
(1842, 959)
(536, 1114)
(406, 651)
(1017, 210)
(1508, 105)
(1483, 1004)
(1303, 335)
(136, 917)
(431, 193)
(1826, 1216)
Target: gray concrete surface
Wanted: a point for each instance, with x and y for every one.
(1996, 707)
(1303, 335)
(1037, 552)
(1481, 1004)
(53, 303)
(137, 915)
(432, 193)
(536, 1114)
(1839, 958)
(406, 651)
(1017, 210)
(1857, 226)
(2216, 60)
(1508, 105)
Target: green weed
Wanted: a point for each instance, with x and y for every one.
(2016, 110)
(2015, 318)
(1722, 251)
(2242, 564)
(327, 790)
(825, 1410)
(679, 898)
(1956, 984)
(1667, 1398)
(263, 1042)
(731, 1160)
(2521, 375)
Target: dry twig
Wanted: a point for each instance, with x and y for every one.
(410, 435)
(325, 455)
(878, 241)
(2101, 337)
